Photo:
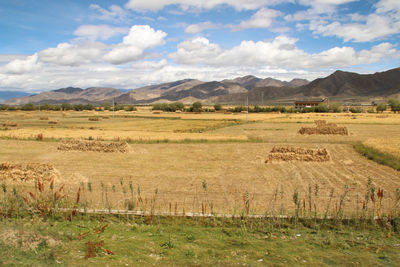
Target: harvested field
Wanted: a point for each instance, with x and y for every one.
(288, 153)
(324, 128)
(44, 118)
(28, 172)
(96, 146)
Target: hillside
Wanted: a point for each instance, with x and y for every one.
(340, 85)
(69, 95)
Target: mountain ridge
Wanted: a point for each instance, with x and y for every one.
(338, 85)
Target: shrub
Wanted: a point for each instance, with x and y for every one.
(217, 106)
(197, 106)
(394, 104)
(335, 107)
(355, 110)
(381, 107)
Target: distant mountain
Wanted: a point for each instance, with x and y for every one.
(192, 90)
(339, 85)
(69, 95)
(6, 95)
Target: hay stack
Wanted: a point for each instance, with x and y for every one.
(29, 171)
(94, 118)
(324, 128)
(53, 122)
(282, 153)
(10, 124)
(96, 146)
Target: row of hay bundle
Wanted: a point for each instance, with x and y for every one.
(324, 128)
(29, 171)
(10, 124)
(286, 153)
(96, 146)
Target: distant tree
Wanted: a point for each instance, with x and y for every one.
(217, 106)
(196, 106)
(322, 107)
(381, 107)
(28, 107)
(394, 104)
(335, 107)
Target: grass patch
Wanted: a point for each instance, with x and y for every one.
(188, 242)
(377, 156)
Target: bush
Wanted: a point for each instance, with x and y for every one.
(172, 107)
(381, 107)
(217, 107)
(335, 107)
(394, 104)
(197, 106)
(355, 110)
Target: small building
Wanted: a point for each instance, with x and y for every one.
(309, 103)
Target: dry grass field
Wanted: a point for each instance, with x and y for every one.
(225, 176)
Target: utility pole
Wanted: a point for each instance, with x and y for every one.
(262, 99)
(247, 113)
(113, 106)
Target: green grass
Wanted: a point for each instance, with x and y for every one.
(377, 156)
(208, 242)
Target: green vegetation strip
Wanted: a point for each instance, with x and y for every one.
(145, 241)
(377, 156)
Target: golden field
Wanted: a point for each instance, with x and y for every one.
(232, 166)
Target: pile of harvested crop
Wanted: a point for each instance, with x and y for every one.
(287, 153)
(96, 146)
(28, 171)
(324, 128)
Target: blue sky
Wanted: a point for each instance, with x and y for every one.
(51, 44)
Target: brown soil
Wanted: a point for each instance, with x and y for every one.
(287, 153)
(26, 172)
(324, 128)
(81, 145)
(26, 240)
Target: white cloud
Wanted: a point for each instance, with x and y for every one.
(375, 27)
(384, 6)
(115, 13)
(20, 66)
(281, 52)
(133, 46)
(199, 27)
(72, 54)
(155, 5)
(103, 32)
(263, 18)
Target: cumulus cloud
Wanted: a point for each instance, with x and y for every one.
(133, 46)
(103, 32)
(68, 54)
(156, 5)
(375, 27)
(20, 66)
(114, 13)
(199, 27)
(281, 52)
(263, 18)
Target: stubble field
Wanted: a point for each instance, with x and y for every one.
(206, 162)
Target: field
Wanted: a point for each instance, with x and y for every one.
(177, 154)
(202, 165)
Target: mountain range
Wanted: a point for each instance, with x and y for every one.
(340, 85)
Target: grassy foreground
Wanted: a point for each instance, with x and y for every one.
(196, 242)
(377, 156)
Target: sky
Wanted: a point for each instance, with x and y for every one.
(126, 44)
